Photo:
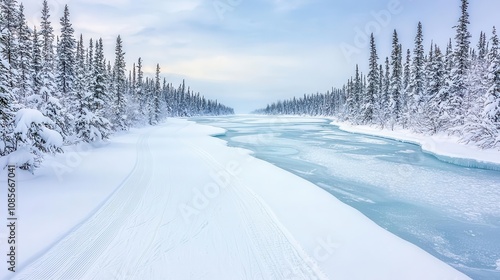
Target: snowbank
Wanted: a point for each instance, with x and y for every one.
(174, 203)
(444, 147)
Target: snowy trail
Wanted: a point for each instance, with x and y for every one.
(139, 234)
(277, 246)
(79, 250)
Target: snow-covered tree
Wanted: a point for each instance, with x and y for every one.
(66, 60)
(436, 79)
(417, 80)
(24, 58)
(7, 108)
(155, 106)
(49, 104)
(10, 49)
(37, 67)
(34, 137)
(396, 81)
(461, 63)
(90, 125)
(139, 91)
(487, 134)
(120, 118)
(373, 83)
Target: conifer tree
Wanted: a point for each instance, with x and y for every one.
(492, 104)
(37, 67)
(461, 63)
(417, 80)
(120, 118)
(10, 50)
(155, 99)
(7, 101)
(395, 83)
(373, 82)
(66, 60)
(24, 59)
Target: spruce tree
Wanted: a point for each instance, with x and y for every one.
(37, 67)
(373, 82)
(99, 79)
(358, 96)
(142, 97)
(7, 101)
(10, 50)
(120, 118)
(436, 78)
(66, 61)
(50, 105)
(492, 104)
(461, 63)
(396, 81)
(155, 107)
(24, 67)
(417, 79)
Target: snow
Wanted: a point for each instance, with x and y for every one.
(51, 137)
(444, 147)
(174, 203)
(25, 117)
(20, 156)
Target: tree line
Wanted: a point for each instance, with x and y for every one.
(453, 90)
(57, 91)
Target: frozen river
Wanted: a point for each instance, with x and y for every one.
(450, 211)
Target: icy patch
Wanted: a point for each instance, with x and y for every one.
(348, 194)
(255, 139)
(469, 195)
(407, 152)
(330, 137)
(283, 120)
(373, 141)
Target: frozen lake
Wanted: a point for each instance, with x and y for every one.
(450, 211)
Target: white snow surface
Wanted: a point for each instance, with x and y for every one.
(26, 117)
(439, 145)
(171, 202)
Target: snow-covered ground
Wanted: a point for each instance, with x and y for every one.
(171, 202)
(445, 147)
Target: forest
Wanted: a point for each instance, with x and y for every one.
(453, 89)
(60, 90)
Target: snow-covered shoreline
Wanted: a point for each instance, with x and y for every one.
(445, 148)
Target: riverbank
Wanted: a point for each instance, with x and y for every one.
(444, 147)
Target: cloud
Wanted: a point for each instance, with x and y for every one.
(289, 5)
(238, 68)
(175, 6)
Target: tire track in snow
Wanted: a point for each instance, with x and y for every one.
(283, 255)
(77, 252)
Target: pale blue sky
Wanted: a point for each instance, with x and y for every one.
(249, 53)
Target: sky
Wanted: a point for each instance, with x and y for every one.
(247, 54)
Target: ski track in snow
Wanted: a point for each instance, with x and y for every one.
(277, 247)
(139, 234)
(75, 254)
